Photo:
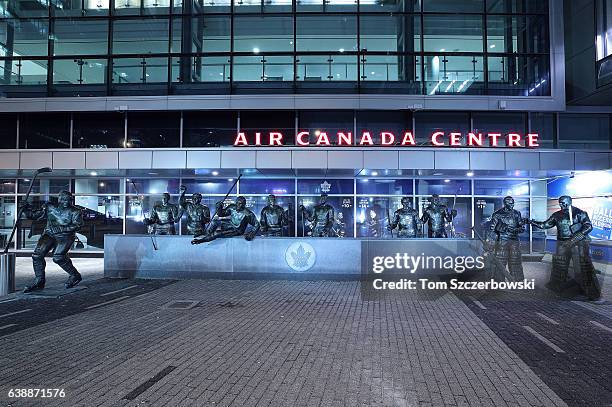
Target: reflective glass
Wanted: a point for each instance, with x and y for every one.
(453, 33)
(23, 72)
(336, 33)
(453, 6)
(101, 215)
(263, 69)
(331, 121)
(519, 75)
(267, 6)
(267, 186)
(209, 129)
(390, 6)
(267, 121)
(209, 34)
(8, 132)
(499, 122)
(7, 186)
(97, 186)
(501, 187)
(7, 218)
(384, 186)
(44, 130)
(544, 125)
(426, 123)
(343, 214)
(80, 37)
(373, 215)
(259, 34)
(451, 74)
(443, 187)
(517, 34)
(153, 130)
(393, 33)
(98, 130)
(24, 37)
(44, 186)
(196, 69)
(23, 9)
(328, 186)
(329, 6)
(153, 186)
(208, 186)
(395, 122)
(79, 8)
(584, 130)
(140, 70)
(140, 36)
(208, 6)
(321, 68)
(79, 71)
(463, 220)
(517, 6)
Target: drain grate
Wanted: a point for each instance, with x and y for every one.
(180, 304)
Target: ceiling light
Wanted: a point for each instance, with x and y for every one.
(374, 173)
(215, 173)
(470, 174)
(447, 180)
(256, 50)
(93, 174)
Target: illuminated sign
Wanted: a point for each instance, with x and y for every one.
(387, 138)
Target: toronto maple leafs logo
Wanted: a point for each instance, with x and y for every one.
(325, 187)
(300, 256)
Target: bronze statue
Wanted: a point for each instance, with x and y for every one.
(289, 224)
(406, 220)
(322, 217)
(241, 221)
(272, 218)
(63, 220)
(573, 228)
(198, 215)
(164, 216)
(502, 239)
(436, 215)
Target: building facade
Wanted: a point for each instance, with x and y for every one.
(128, 99)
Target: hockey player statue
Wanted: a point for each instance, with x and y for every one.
(163, 217)
(198, 215)
(238, 220)
(272, 218)
(436, 216)
(406, 220)
(322, 217)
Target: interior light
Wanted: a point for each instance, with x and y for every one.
(492, 46)
(215, 173)
(447, 180)
(470, 174)
(230, 179)
(93, 174)
(256, 50)
(374, 173)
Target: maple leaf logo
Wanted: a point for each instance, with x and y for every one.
(300, 257)
(325, 186)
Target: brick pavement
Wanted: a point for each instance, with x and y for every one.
(272, 343)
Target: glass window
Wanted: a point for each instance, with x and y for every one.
(97, 186)
(384, 186)
(517, 6)
(453, 33)
(501, 187)
(519, 75)
(387, 69)
(451, 74)
(443, 187)
(22, 9)
(394, 6)
(208, 186)
(591, 131)
(209, 34)
(207, 6)
(209, 129)
(544, 125)
(24, 37)
(603, 39)
(522, 34)
(499, 122)
(331, 121)
(153, 186)
(141, 36)
(324, 68)
(328, 186)
(463, 220)
(198, 69)
(80, 37)
(257, 203)
(7, 186)
(373, 215)
(78, 8)
(326, 5)
(426, 123)
(267, 6)
(101, 215)
(137, 208)
(335, 33)
(258, 34)
(23, 72)
(98, 130)
(343, 214)
(7, 217)
(140, 70)
(8, 131)
(396, 122)
(79, 71)
(153, 129)
(393, 33)
(446, 6)
(44, 130)
(135, 7)
(267, 186)
(44, 186)
(262, 68)
(266, 121)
